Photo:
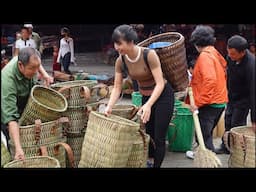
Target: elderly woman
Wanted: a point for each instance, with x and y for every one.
(208, 82)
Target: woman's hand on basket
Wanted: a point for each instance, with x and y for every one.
(145, 112)
(19, 154)
(108, 111)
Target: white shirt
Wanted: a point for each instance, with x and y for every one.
(20, 44)
(66, 45)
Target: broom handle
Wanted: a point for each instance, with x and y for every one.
(196, 120)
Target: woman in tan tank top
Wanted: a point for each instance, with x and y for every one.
(158, 98)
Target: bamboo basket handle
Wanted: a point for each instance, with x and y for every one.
(86, 93)
(43, 151)
(64, 88)
(134, 112)
(37, 130)
(101, 86)
(196, 120)
(63, 120)
(69, 152)
(227, 139)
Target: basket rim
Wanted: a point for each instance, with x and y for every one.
(47, 107)
(71, 84)
(122, 105)
(42, 124)
(233, 130)
(31, 158)
(163, 34)
(125, 121)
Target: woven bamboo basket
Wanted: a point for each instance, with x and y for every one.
(34, 162)
(57, 149)
(242, 147)
(173, 58)
(45, 104)
(78, 117)
(75, 141)
(139, 154)
(108, 141)
(43, 133)
(72, 91)
(125, 111)
(5, 155)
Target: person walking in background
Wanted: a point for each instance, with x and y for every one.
(241, 85)
(55, 66)
(35, 36)
(66, 51)
(24, 41)
(208, 82)
(158, 96)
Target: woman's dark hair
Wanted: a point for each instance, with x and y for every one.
(124, 32)
(203, 36)
(237, 42)
(65, 30)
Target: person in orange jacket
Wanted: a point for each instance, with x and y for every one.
(208, 82)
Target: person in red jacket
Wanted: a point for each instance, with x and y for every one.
(208, 82)
(56, 66)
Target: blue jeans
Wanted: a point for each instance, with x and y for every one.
(65, 61)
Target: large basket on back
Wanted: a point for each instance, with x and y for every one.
(242, 147)
(34, 162)
(108, 141)
(72, 91)
(5, 155)
(125, 111)
(45, 104)
(173, 58)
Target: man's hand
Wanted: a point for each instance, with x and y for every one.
(47, 80)
(19, 154)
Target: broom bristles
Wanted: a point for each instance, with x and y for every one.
(205, 158)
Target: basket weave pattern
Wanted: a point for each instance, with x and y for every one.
(242, 147)
(76, 143)
(173, 58)
(72, 91)
(125, 111)
(43, 133)
(139, 154)
(5, 155)
(35, 151)
(45, 104)
(108, 141)
(34, 162)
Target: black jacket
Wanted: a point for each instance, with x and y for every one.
(241, 83)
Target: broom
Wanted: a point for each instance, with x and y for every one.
(203, 156)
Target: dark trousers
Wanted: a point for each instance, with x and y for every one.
(65, 61)
(209, 117)
(157, 126)
(5, 131)
(234, 117)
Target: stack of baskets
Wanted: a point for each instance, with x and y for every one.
(242, 147)
(41, 125)
(113, 142)
(173, 58)
(82, 97)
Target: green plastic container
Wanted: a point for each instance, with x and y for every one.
(180, 135)
(137, 98)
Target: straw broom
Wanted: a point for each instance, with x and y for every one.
(203, 156)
